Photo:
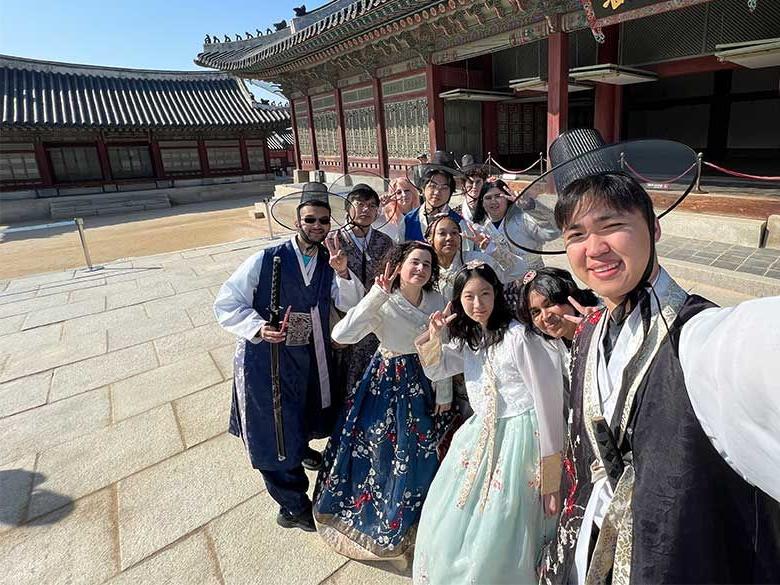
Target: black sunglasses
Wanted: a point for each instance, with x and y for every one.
(322, 220)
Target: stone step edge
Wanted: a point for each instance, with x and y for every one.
(739, 282)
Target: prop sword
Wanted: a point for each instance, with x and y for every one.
(276, 383)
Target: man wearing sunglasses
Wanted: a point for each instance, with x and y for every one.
(311, 278)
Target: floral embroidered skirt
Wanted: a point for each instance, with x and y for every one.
(380, 463)
(501, 543)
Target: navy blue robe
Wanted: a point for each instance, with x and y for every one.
(251, 416)
(413, 227)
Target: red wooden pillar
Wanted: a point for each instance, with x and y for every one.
(435, 107)
(266, 154)
(557, 84)
(44, 164)
(204, 158)
(157, 164)
(489, 128)
(608, 103)
(381, 133)
(105, 163)
(314, 154)
(296, 143)
(244, 155)
(342, 131)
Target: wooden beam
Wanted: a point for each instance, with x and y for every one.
(105, 163)
(314, 154)
(204, 158)
(435, 107)
(558, 85)
(244, 155)
(342, 131)
(690, 66)
(608, 97)
(381, 133)
(44, 164)
(296, 144)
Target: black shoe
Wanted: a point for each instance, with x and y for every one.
(304, 521)
(312, 460)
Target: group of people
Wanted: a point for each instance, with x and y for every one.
(487, 416)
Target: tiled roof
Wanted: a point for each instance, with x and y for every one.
(281, 140)
(243, 54)
(48, 94)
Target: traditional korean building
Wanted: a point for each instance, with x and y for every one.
(373, 82)
(125, 139)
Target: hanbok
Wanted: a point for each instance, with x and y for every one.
(483, 521)
(380, 462)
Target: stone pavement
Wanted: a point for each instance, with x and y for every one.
(758, 261)
(115, 464)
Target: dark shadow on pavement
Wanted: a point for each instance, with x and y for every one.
(17, 489)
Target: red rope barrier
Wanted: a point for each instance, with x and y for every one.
(536, 162)
(738, 174)
(669, 182)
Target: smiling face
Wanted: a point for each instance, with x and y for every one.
(405, 196)
(437, 191)
(609, 250)
(416, 268)
(363, 212)
(309, 223)
(446, 238)
(477, 299)
(549, 317)
(472, 188)
(495, 204)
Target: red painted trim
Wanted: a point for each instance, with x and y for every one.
(381, 132)
(703, 64)
(244, 154)
(558, 81)
(435, 108)
(606, 114)
(156, 156)
(314, 154)
(403, 74)
(204, 158)
(105, 163)
(342, 131)
(44, 164)
(267, 155)
(296, 143)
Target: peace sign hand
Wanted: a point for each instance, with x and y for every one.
(439, 320)
(583, 311)
(338, 259)
(385, 281)
(481, 239)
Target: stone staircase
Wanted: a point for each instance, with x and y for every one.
(107, 204)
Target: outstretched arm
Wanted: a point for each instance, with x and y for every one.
(731, 361)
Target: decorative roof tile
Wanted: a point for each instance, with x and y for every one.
(49, 94)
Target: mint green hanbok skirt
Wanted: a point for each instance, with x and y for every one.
(492, 536)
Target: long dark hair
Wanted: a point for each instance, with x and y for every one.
(463, 328)
(431, 232)
(479, 211)
(556, 285)
(400, 252)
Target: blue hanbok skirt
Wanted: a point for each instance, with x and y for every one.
(380, 462)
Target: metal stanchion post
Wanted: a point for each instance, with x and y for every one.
(622, 161)
(268, 218)
(80, 226)
(541, 163)
(697, 187)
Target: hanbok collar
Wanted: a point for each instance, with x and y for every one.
(307, 270)
(427, 305)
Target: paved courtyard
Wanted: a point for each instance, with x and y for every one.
(115, 464)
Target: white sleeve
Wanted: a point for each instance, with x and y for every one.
(346, 293)
(540, 223)
(440, 360)
(361, 319)
(542, 365)
(730, 358)
(233, 306)
(400, 235)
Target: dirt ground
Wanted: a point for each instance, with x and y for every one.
(138, 234)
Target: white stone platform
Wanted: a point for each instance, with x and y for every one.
(115, 464)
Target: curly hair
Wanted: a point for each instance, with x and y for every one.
(479, 211)
(431, 231)
(556, 285)
(463, 329)
(396, 255)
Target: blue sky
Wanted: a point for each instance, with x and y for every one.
(146, 34)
